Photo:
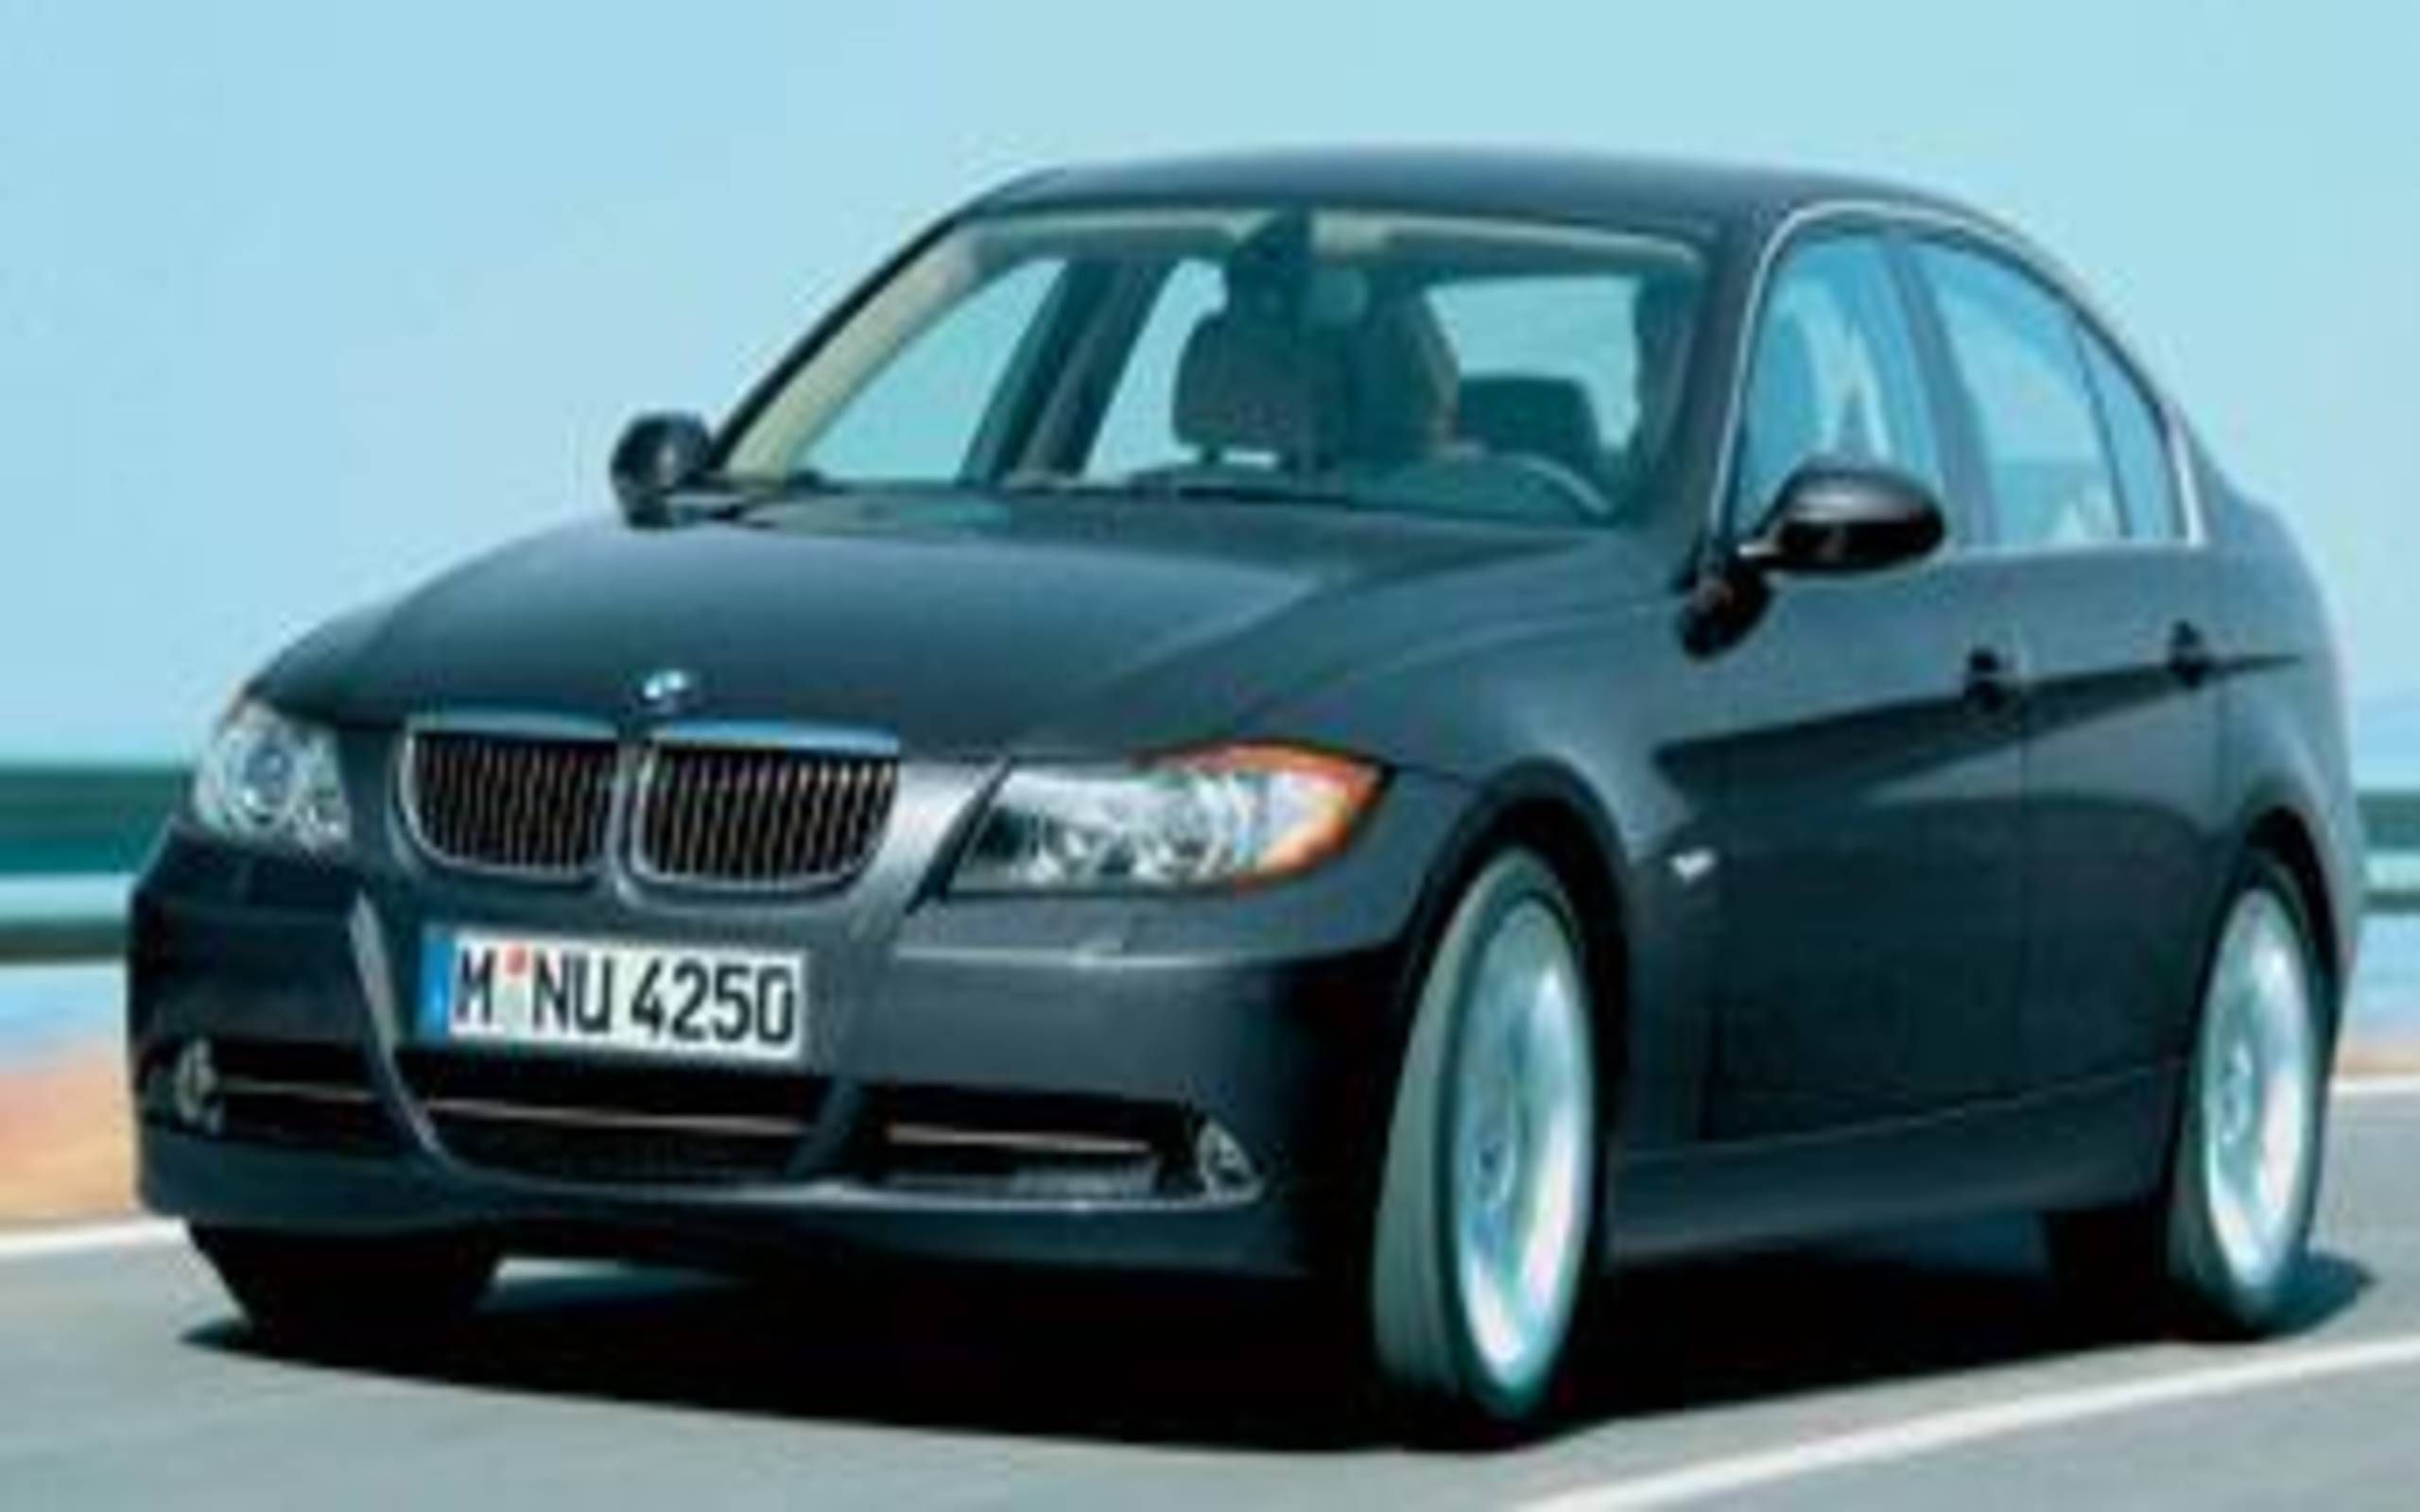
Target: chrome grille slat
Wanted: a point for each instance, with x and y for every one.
(744, 816)
(878, 786)
(471, 796)
(714, 814)
(853, 783)
(732, 811)
(536, 818)
(516, 836)
(818, 806)
(529, 806)
(748, 818)
(838, 803)
(691, 799)
(845, 781)
(756, 853)
(798, 785)
(564, 790)
(874, 792)
(483, 788)
(569, 791)
(496, 829)
(718, 816)
(844, 794)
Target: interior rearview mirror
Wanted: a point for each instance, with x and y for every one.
(656, 454)
(1845, 517)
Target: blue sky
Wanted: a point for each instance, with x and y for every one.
(299, 303)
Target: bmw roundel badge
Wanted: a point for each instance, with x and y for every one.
(667, 690)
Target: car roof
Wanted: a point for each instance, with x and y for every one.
(1557, 185)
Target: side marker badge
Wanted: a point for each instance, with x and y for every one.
(1693, 866)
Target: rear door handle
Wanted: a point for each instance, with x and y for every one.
(1994, 681)
(2189, 656)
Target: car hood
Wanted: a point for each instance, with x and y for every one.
(956, 624)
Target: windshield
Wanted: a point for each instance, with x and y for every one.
(1444, 364)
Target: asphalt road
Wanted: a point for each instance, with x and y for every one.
(1922, 1371)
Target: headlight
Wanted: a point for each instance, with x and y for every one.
(269, 779)
(1237, 814)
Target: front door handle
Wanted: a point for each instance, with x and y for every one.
(1994, 681)
(2189, 656)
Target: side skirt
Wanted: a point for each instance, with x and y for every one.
(2096, 1142)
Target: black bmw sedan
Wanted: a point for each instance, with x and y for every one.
(1438, 722)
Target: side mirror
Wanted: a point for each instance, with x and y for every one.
(1836, 518)
(656, 454)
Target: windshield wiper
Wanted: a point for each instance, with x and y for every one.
(1056, 485)
(1276, 489)
(1170, 485)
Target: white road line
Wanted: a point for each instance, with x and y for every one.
(1931, 1433)
(145, 1234)
(2361, 1087)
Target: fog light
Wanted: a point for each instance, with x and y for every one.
(193, 1089)
(1220, 1162)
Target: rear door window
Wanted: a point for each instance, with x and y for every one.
(2017, 360)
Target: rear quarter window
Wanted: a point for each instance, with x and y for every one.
(2138, 446)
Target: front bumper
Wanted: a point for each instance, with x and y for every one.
(1275, 1015)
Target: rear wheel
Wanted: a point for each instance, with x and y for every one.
(2220, 1246)
(1481, 1243)
(311, 1288)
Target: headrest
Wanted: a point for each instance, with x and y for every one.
(1405, 384)
(1533, 415)
(1251, 382)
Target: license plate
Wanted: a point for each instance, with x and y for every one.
(674, 1002)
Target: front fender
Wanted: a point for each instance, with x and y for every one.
(1594, 722)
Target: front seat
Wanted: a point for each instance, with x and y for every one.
(1404, 387)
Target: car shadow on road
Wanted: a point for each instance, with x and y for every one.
(1893, 1309)
(1165, 1363)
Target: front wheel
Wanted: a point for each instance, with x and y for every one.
(2223, 1241)
(1482, 1237)
(308, 1289)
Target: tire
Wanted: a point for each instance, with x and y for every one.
(2219, 1248)
(311, 1290)
(1491, 1162)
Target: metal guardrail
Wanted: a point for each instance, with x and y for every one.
(57, 941)
(77, 822)
(2391, 823)
(58, 821)
(82, 821)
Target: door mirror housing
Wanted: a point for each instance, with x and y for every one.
(656, 455)
(1836, 518)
